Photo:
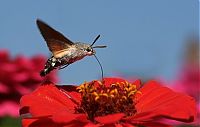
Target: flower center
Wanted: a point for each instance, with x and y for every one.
(101, 100)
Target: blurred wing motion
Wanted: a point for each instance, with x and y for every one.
(56, 42)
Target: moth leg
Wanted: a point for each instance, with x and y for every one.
(63, 66)
(53, 63)
(59, 60)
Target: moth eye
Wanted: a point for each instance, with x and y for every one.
(88, 49)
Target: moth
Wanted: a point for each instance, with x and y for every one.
(64, 51)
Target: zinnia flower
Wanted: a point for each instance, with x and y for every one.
(19, 76)
(112, 102)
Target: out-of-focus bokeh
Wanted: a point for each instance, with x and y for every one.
(188, 78)
(19, 75)
(146, 39)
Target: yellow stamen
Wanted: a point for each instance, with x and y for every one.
(99, 100)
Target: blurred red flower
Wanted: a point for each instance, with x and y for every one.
(19, 76)
(113, 103)
(188, 81)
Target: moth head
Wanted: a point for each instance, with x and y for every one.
(89, 50)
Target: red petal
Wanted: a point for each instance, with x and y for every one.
(155, 124)
(113, 80)
(159, 101)
(137, 83)
(66, 117)
(127, 125)
(27, 122)
(71, 90)
(91, 125)
(45, 122)
(109, 119)
(47, 100)
(109, 81)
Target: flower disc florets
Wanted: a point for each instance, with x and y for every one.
(100, 100)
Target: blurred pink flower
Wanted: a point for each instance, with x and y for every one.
(19, 76)
(9, 107)
(189, 81)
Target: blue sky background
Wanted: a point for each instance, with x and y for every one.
(145, 38)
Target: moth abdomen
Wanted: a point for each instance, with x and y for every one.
(46, 71)
(49, 66)
(43, 73)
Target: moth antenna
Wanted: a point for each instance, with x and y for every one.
(100, 46)
(100, 66)
(95, 40)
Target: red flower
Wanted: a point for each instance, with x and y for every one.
(113, 103)
(19, 76)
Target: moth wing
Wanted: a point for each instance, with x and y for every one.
(57, 47)
(56, 42)
(61, 53)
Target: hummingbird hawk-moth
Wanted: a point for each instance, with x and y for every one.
(64, 51)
